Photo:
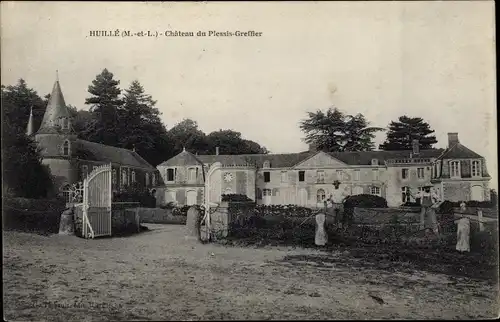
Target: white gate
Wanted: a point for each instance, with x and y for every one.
(97, 197)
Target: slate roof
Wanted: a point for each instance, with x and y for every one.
(56, 109)
(99, 152)
(287, 160)
(459, 151)
(181, 159)
(365, 157)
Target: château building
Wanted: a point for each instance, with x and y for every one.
(306, 178)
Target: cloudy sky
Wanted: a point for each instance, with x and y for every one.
(383, 59)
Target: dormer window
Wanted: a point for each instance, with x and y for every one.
(267, 164)
(374, 161)
(65, 123)
(65, 148)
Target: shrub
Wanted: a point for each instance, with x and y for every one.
(235, 198)
(365, 201)
(447, 206)
(135, 193)
(284, 210)
(169, 205)
(33, 215)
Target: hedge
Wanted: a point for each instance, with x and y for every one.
(40, 216)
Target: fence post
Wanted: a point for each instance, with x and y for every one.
(137, 220)
(480, 219)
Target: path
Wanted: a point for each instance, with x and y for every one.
(158, 275)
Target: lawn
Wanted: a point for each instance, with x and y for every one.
(158, 275)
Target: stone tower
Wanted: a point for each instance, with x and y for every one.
(57, 139)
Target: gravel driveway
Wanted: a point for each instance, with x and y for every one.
(158, 275)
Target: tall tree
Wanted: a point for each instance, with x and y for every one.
(231, 142)
(186, 134)
(141, 126)
(23, 174)
(335, 131)
(21, 99)
(402, 133)
(105, 105)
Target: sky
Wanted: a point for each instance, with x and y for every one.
(434, 60)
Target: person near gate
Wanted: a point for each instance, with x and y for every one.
(428, 201)
(336, 201)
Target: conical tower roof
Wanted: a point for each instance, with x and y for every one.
(56, 109)
(30, 130)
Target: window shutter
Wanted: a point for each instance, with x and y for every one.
(465, 168)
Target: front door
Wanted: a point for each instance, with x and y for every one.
(266, 196)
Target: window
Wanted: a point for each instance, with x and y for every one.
(405, 194)
(321, 196)
(170, 175)
(147, 179)
(267, 192)
(339, 175)
(476, 169)
(284, 176)
(267, 164)
(320, 176)
(133, 176)
(124, 177)
(374, 161)
(420, 173)
(375, 174)
(153, 179)
(66, 147)
(357, 190)
(302, 175)
(267, 176)
(85, 171)
(375, 191)
(405, 173)
(192, 174)
(113, 176)
(455, 169)
(65, 123)
(356, 175)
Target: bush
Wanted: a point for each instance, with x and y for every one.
(33, 215)
(284, 210)
(447, 206)
(136, 194)
(365, 201)
(235, 198)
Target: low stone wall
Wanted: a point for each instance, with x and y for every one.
(41, 216)
(159, 216)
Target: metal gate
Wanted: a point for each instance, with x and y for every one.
(97, 197)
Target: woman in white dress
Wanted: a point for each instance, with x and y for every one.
(463, 235)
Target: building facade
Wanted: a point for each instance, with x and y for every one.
(71, 159)
(306, 179)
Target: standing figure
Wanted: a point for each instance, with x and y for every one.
(463, 235)
(321, 237)
(336, 200)
(428, 198)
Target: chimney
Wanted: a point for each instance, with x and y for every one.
(415, 147)
(452, 139)
(216, 150)
(313, 147)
